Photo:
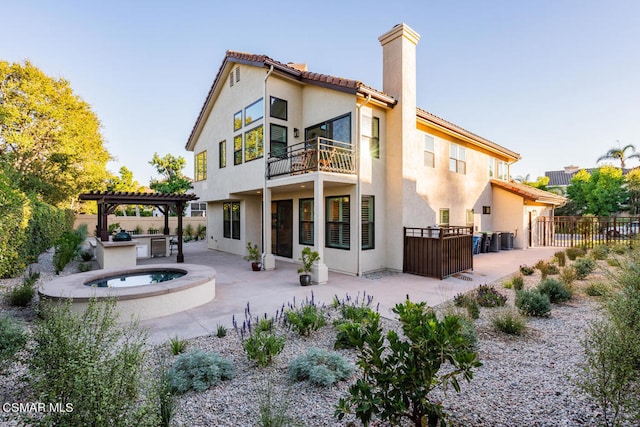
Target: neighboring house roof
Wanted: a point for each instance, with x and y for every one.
(530, 193)
(563, 178)
(354, 87)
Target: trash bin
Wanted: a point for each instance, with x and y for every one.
(506, 241)
(476, 244)
(484, 243)
(494, 246)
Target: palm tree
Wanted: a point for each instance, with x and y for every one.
(620, 154)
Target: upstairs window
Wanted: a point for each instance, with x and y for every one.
(503, 171)
(374, 142)
(444, 217)
(201, 166)
(457, 159)
(254, 112)
(237, 149)
(338, 129)
(222, 154)
(492, 167)
(237, 121)
(253, 144)
(278, 141)
(429, 151)
(278, 108)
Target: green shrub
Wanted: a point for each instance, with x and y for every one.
(261, 347)
(265, 325)
(201, 232)
(67, 247)
(619, 248)
(306, 319)
(198, 370)
(86, 256)
(320, 367)
(488, 296)
(221, 331)
(84, 266)
(555, 290)
(518, 282)
(469, 303)
(613, 262)
(352, 323)
(188, 232)
(568, 275)
(584, 267)
(21, 295)
(398, 373)
(12, 339)
(274, 410)
(526, 271)
(597, 289)
(177, 345)
(14, 218)
(573, 253)
(561, 256)
(509, 321)
(93, 362)
(600, 252)
(533, 303)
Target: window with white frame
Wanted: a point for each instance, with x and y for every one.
(503, 171)
(429, 151)
(306, 222)
(444, 217)
(374, 141)
(492, 167)
(457, 159)
(201, 166)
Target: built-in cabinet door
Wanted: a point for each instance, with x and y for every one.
(282, 228)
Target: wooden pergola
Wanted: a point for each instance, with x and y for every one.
(108, 201)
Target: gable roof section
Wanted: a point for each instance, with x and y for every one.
(530, 193)
(354, 87)
(450, 128)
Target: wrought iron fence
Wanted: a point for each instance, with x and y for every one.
(318, 154)
(586, 231)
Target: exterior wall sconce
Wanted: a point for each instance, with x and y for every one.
(486, 210)
(296, 132)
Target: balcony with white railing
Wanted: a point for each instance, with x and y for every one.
(314, 155)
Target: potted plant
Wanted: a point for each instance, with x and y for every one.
(308, 258)
(253, 257)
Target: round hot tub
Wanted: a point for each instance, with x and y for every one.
(141, 292)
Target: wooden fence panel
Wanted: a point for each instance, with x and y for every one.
(437, 252)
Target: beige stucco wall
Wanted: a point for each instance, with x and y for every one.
(508, 215)
(131, 222)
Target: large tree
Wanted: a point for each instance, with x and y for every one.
(170, 168)
(620, 154)
(50, 140)
(601, 193)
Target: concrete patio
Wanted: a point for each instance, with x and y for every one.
(267, 291)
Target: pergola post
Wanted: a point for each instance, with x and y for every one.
(180, 209)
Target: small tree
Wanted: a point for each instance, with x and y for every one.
(398, 376)
(170, 168)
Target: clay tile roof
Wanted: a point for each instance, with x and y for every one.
(530, 193)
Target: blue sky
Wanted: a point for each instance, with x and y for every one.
(556, 81)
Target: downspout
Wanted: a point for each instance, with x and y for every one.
(267, 135)
(358, 187)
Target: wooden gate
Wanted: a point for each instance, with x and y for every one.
(438, 252)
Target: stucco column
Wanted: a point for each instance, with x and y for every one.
(319, 271)
(268, 260)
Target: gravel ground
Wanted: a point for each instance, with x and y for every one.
(524, 381)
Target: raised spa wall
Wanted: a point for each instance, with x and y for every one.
(196, 287)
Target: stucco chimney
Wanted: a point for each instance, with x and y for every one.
(402, 164)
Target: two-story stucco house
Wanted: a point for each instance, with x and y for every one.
(288, 158)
